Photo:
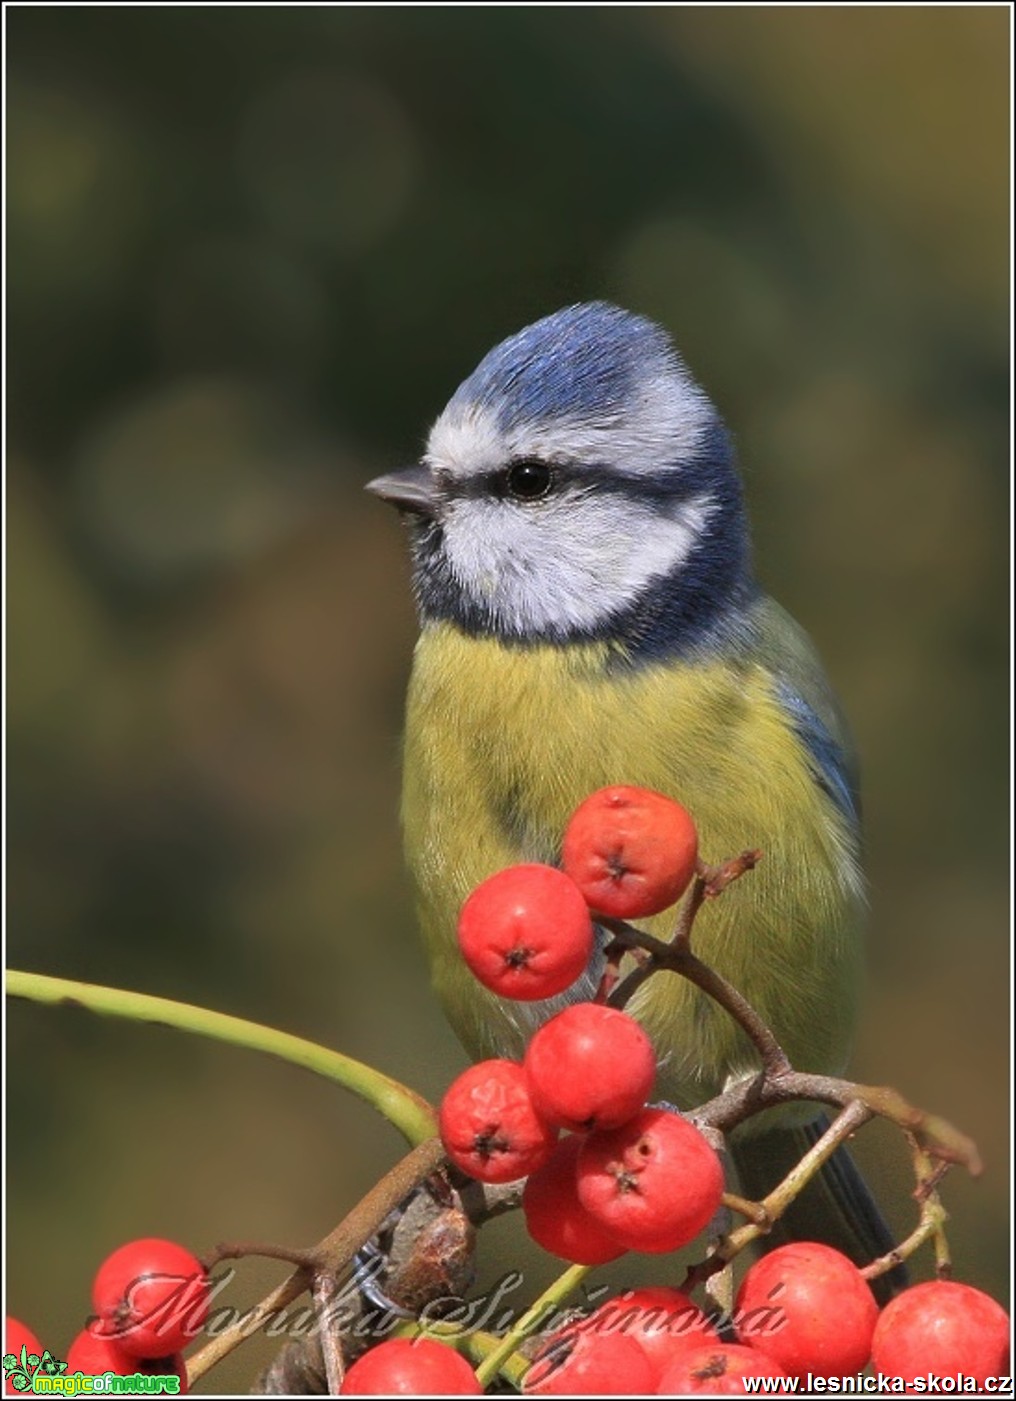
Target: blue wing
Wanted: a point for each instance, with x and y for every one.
(835, 771)
(802, 689)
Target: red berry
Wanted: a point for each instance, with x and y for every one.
(526, 932)
(631, 851)
(809, 1308)
(719, 1370)
(664, 1322)
(151, 1296)
(16, 1337)
(410, 1367)
(654, 1183)
(590, 1067)
(577, 1362)
(944, 1328)
(489, 1126)
(556, 1219)
(94, 1354)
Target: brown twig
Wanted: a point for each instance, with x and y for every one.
(677, 957)
(331, 1351)
(717, 878)
(747, 1097)
(265, 1250)
(329, 1256)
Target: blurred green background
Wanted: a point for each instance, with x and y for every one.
(251, 253)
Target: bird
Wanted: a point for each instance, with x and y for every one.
(589, 616)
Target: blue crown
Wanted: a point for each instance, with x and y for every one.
(583, 360)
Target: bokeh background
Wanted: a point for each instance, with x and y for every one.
(250, 254)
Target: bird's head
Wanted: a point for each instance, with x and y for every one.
(578, 485)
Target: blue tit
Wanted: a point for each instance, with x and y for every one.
(589, 616)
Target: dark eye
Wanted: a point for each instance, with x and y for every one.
(528, 480)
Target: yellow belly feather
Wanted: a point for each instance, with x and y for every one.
(503, 743)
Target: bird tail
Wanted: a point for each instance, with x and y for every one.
(836, 1207)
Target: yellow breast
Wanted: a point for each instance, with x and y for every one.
(502, 743)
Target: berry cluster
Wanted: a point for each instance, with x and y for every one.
(634, 1178)
(605, 1173)
(628, 1177)
(150, 1299)
(802, 1311)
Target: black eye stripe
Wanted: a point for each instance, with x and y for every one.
(663, 487)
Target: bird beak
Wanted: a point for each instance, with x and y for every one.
(410, 490)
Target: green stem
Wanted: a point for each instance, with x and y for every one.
(480, 1346)
(551, 1298)
(401, 1106)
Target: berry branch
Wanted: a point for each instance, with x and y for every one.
(328, 1258)
(623, 1176)
(677, 957)
(778, 1082)
(772, 1206)
(402, 1107)
(578, 1203)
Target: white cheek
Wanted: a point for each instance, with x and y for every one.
(566, 565)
